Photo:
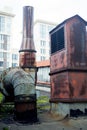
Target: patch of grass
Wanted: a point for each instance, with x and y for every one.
(42, 99)
(5, 128)
(43, 103)
(7, 108)
(1, 97)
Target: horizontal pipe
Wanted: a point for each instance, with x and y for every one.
(23, 83)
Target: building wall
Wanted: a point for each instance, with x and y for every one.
(43, 78)
(14, 58)
(5, 39)
(42, 40)
(43, 74)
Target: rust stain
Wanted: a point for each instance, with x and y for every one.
(69, 85)
(78, 81)
(58, 61)
(71, 82)
(60, 86)
(27, 59)
(76, 41)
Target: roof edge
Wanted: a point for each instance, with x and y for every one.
(68, 20)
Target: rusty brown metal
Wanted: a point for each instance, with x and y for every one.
(18, 84)
(76, 44)
(27, 49)
(60, 86)
(69, 85)
(26, 112)
(68, 68)
(25, 108)
(58, 61)
(74, 54)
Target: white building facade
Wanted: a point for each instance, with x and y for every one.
(5, 39)
(14, 58)
(42, 40)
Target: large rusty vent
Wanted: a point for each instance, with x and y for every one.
(57, 40)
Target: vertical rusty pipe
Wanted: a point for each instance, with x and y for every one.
(27, 50)
(27, 110)
(19, 83)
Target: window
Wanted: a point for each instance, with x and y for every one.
(42, 31)
(41, 72)
(1, 38)
(43, 58)
(8, 39)
(1, 63)
(4, 42)
(1, 54)
(43, 43)
(43, 51)
(14, 64)
(8, 46)
(2, 24)
(7, 64)
(8, 26)
(5, 55)
(57, 40)
(1, 45)
(8, 55)
(14, 56)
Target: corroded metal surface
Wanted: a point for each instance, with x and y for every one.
(69, 65)
(58, 61)
(74, 54)
(19, 81)
(25, 108)
(27, 59)
(76, 44)
(78, 85)
(60, 86)
(69, 85)
(18, 84)
(27, 49)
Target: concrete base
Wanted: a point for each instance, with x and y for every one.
(71, 109)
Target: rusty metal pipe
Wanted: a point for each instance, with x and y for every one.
(19, 83)
(19, 86)
(27, 49)
(22, 82)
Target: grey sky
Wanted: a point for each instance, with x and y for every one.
(50, 10)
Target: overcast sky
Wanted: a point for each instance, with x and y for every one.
(53, 10)
(50, 10)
